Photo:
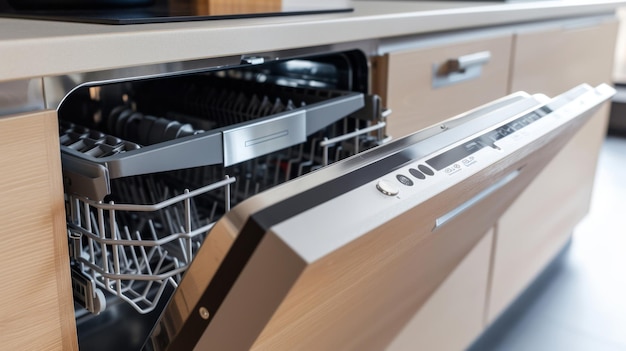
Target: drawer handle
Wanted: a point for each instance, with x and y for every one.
(459, 69)
(462, 63)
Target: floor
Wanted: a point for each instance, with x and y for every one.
(579, 302)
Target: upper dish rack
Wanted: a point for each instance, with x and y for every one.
(243, 120)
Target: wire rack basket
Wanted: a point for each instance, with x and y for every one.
(135, 250)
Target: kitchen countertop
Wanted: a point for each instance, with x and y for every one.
(32, 48)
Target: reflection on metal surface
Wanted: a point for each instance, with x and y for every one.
(58, 87)
(476, 199)
(21, 96)
(260, 138)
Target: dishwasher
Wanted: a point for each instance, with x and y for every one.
(260, 205)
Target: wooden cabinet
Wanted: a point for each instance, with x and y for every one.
(36, 295)
(549, 59)
(540, 222)
(453, 316)
(407, 81)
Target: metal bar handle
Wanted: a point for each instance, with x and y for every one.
(476, 199)
(462, 63)
(479, 58)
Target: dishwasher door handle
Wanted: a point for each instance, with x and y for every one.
(476, 199)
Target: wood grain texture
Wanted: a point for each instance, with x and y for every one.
(225, 7)
(541, 221)
(36, 306)
(407, 89)
(453, 316)
(552, 61)
(361, 295)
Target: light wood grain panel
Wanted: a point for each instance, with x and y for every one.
(553, 60)
(453, 316)
(540, 222)
(361, 295)
(225, 7)
(404, 80)
(36, 306)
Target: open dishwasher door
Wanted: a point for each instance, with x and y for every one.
(343, 257)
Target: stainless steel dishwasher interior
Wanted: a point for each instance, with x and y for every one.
(150, 165)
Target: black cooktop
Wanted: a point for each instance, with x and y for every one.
(169, 12)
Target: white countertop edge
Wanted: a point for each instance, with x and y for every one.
(73, 47)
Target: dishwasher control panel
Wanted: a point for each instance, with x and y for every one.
(469, 155)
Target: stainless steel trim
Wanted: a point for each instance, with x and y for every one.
(19, 96)
(259, 138)
(476, 199)
(57, 88)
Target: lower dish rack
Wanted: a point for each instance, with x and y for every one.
(140, 234)
(134, 250)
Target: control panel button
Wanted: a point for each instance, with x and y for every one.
(387, 188)
(404, 180)
(417, 174)
(425, 170)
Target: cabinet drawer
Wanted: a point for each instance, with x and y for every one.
(419, 96)
(534, 229)
(553, 60)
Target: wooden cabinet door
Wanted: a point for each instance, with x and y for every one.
(36, 306)
(405, 82)
(454, 315)
(540, 222)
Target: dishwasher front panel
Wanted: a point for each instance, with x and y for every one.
(343, 257)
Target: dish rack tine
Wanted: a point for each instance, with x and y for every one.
(212, 213)
(132, 250)
(94, 224)
(194, 215)
(118, 248)
(144, 255)
(187, 204)
(180, 220)
(102, 232)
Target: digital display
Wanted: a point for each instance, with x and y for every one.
(460, 152)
